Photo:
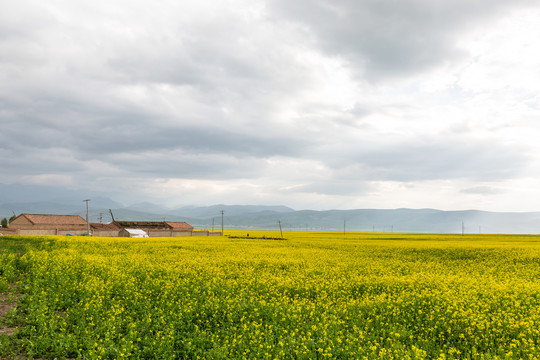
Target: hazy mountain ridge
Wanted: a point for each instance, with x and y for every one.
(267, 217)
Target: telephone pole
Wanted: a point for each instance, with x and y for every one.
(222, 212)
(87, 223)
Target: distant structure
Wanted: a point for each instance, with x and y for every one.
(159, 228)
(45, 224)
(136, 233)
(151, 228)
(100, 229)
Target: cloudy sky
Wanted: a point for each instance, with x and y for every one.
(321, 104)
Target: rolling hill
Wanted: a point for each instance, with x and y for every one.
(267, 217)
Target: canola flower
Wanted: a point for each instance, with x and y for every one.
(312, 296)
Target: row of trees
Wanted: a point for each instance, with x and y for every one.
(5, 222)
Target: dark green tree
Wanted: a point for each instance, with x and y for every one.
(4, 222)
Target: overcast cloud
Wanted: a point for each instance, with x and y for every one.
(311, 104)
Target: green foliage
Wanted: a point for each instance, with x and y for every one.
(4, 222)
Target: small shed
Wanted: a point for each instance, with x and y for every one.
(138, 233)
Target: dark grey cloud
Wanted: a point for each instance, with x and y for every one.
(112, 86)
(36, 161)
(176, 164)
(191, 139)
(387, 38)
(427, 159)
(96, 130)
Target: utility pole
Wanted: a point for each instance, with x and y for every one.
(462, 228)
(344, 222)
(222, 212)
(212, 224)
(87, 223)
(280, 231)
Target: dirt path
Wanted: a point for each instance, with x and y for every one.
(6, 305)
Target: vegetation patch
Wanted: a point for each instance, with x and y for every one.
(263, 237)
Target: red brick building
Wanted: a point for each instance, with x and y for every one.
(44, 224)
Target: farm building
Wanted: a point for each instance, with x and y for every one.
(45, 224)
(179, 226)
(158, 228)
(151, 228)
(137, 233)
(99, 229)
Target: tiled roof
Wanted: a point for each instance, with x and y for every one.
(46, 219)
(142, 224)
(104, 227)
(179, 225)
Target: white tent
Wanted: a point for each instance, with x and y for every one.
(133, 233)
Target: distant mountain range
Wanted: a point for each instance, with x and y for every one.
(267, 217)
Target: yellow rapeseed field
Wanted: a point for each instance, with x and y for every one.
(312, 296)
